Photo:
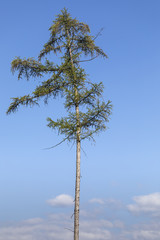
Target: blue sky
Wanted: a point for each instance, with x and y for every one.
(120, 182)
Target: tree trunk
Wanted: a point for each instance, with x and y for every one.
(78, 152)
(77, 187)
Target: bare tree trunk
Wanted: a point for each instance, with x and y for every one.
(77, 187)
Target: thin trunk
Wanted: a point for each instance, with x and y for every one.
(77, 187)
(78, 157)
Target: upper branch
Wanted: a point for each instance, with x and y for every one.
(87, 46)
(31, 68)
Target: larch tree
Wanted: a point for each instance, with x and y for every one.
(86, 113)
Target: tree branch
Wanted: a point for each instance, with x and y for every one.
(98, 34)
(69, 229)
(87, 60)
(56, 144)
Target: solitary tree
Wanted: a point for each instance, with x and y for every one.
(70, 39)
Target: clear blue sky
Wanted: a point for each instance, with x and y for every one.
(125, 161)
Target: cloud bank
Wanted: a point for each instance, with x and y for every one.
(59, 226)
(93, 225)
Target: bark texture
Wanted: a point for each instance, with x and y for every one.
(77, 188)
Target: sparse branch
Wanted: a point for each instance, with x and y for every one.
(48, 48)
(69, 229)
(56, 145)
(89, 96)
(98, 34)
(96, 117)
(30, 68)
(87, 60)
(89, 134)
(52, 86)
(100, 52)
(25, 100)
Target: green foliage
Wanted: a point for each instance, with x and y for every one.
(92, 121)
(25, 100)
(71, 40)
(31, 68)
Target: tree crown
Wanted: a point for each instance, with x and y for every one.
(72, 40)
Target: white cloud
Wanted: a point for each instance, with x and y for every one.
(149, 231)
(147, 235)
(101, 223)
(110, 202)
(96, 235)
(49, 228)
(33, 220)
(146, 203)
(97, 200)
(62, 200)
(118, 224)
